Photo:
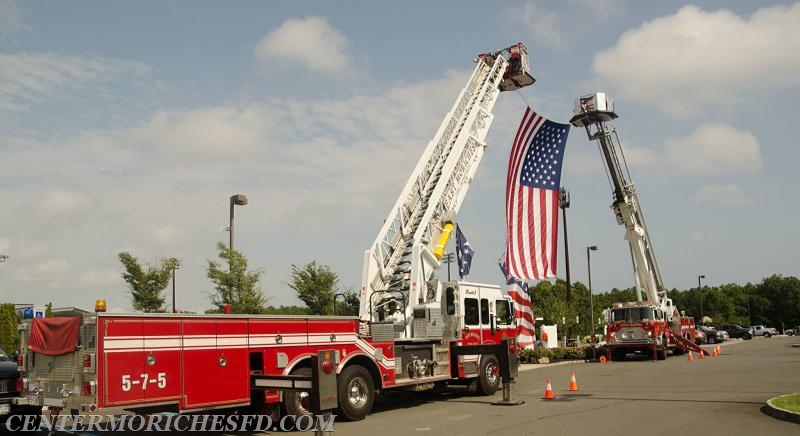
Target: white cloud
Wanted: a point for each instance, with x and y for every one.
(728, 195)
(27, 78)
(309, 42)
(216, 132)
(165, 235)
(699, 237)
(710, 149)
(43, 271)
(101, 278)
(544, 23)
(694, 59)
(550, 28)
(59, 204)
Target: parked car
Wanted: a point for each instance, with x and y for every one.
(8, 383)
(699, 337)
(793, 331)
(760, 330)
(713, 336)
(737, 331)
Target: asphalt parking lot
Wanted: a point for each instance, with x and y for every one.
(713, 396)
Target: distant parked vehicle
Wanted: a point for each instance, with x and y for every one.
(699, 337)
(760, 330)
(713, 336)
(793, 331)
(737, 331)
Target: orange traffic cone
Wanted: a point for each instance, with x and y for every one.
(690, 358)
(603, 359)
(702, 354)
(573, 385)
(719, 350)
(548, 391)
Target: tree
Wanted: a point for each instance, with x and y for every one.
(146, 285)
(9, 334)
(234, 284)
(48, 310)
(315, 286)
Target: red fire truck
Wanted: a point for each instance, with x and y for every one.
(409, 324)
(651, 324)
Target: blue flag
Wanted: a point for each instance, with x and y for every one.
(464, 252)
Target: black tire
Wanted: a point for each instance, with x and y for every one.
(489, 375)
(767, 334)
(747, 336)
(298, 403)
(356, 392)
(661, 353)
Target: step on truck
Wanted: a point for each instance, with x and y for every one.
(410, 333)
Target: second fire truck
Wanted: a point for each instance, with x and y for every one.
(651, 324)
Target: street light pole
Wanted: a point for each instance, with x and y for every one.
(236, 200)
(563, 203)
(700, 289)
(175, 265)
(448, 259)
(589, 250)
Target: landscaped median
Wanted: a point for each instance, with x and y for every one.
(548, 355)
(785, 407)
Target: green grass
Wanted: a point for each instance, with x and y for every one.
(788, 402)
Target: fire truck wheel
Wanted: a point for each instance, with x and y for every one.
(663, 350)
(356, 392)
(298, 403)
(489, 375)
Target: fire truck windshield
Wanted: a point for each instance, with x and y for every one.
(632, 314)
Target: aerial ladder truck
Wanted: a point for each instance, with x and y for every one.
(413, 332)
(652, 323)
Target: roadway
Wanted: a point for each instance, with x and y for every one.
(713, 396)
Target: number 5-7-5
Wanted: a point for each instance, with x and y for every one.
(144, 379)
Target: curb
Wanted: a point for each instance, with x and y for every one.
(532, 366)
(782, 414)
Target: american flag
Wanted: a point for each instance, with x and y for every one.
(523, 308)
(534, 178)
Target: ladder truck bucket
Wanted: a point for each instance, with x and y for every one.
(593, 108)
(517, 74)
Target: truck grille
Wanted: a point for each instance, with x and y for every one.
(7, 385)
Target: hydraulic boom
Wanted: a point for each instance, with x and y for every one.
(400, 266)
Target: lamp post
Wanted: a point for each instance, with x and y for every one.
(700, 289)
(176, 264)
(563, 203)
(589, 250)
(236, 200)
(448, 259)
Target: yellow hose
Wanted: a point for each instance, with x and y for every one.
(438, 251)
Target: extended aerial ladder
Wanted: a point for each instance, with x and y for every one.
(594, 112)
(400, 266)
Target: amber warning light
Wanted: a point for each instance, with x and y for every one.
(100, 306)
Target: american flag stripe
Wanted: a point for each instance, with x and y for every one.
(532, 184)
(528, 126)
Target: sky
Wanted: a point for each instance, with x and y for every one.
(127, 126)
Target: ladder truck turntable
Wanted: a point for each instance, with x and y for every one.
(652, 324)
(411, 333)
